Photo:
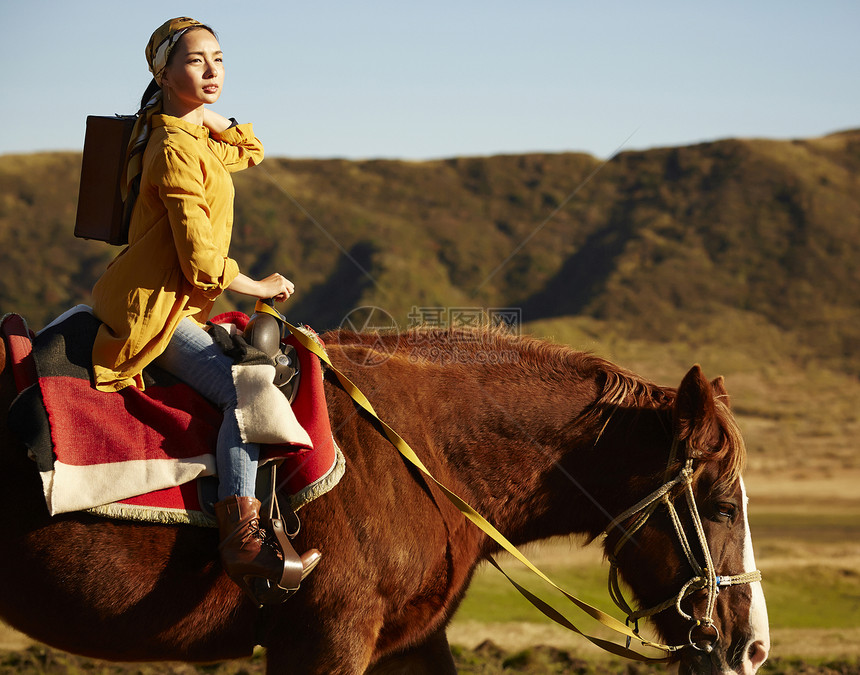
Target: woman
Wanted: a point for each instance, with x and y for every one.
(155, 297)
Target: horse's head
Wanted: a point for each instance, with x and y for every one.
(685, 549)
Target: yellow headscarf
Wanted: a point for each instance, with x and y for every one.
(163, 41)
(158, 49)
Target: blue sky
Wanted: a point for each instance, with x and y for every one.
(419, 80)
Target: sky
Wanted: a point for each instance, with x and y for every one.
(421, 80)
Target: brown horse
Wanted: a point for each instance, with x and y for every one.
(540, 439)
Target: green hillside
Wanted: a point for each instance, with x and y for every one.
(719, 242)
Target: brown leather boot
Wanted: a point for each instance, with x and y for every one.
(244, 551)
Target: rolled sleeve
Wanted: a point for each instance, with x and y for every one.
(231, 271)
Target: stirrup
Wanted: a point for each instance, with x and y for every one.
(267, 591)
(264, 591)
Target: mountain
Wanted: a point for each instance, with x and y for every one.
(717, 242)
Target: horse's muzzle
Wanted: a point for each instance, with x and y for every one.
(747, 660)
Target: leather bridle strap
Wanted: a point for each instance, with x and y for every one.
(704, 577)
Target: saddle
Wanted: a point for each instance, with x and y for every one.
(87, 445)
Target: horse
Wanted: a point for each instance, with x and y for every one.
(542, 440)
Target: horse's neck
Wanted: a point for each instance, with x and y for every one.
(512, 438)
(542, 457)
(497, 439)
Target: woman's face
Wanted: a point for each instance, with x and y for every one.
(195, 75)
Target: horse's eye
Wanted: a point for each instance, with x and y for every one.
(726, 510)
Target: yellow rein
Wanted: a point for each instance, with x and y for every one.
(403, 447)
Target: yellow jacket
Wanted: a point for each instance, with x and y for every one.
(176, 262)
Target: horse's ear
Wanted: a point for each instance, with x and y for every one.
(719, 387)
(695, 414)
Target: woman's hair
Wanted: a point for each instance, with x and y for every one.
(153, 87)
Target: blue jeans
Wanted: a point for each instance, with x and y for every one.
(192, 357)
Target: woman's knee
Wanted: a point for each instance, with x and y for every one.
(195, 359)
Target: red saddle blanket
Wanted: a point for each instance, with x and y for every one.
(143, 455)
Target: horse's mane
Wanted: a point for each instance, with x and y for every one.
(732, 451)
(525, 356)
(624, 388)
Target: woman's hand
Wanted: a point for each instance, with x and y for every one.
(276, 286)
(273, 286)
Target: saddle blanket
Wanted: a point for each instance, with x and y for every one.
(145, 455)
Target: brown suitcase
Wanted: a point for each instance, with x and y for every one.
(100, 212)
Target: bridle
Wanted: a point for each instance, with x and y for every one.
(704, 576)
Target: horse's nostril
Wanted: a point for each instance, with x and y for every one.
(757, 653)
